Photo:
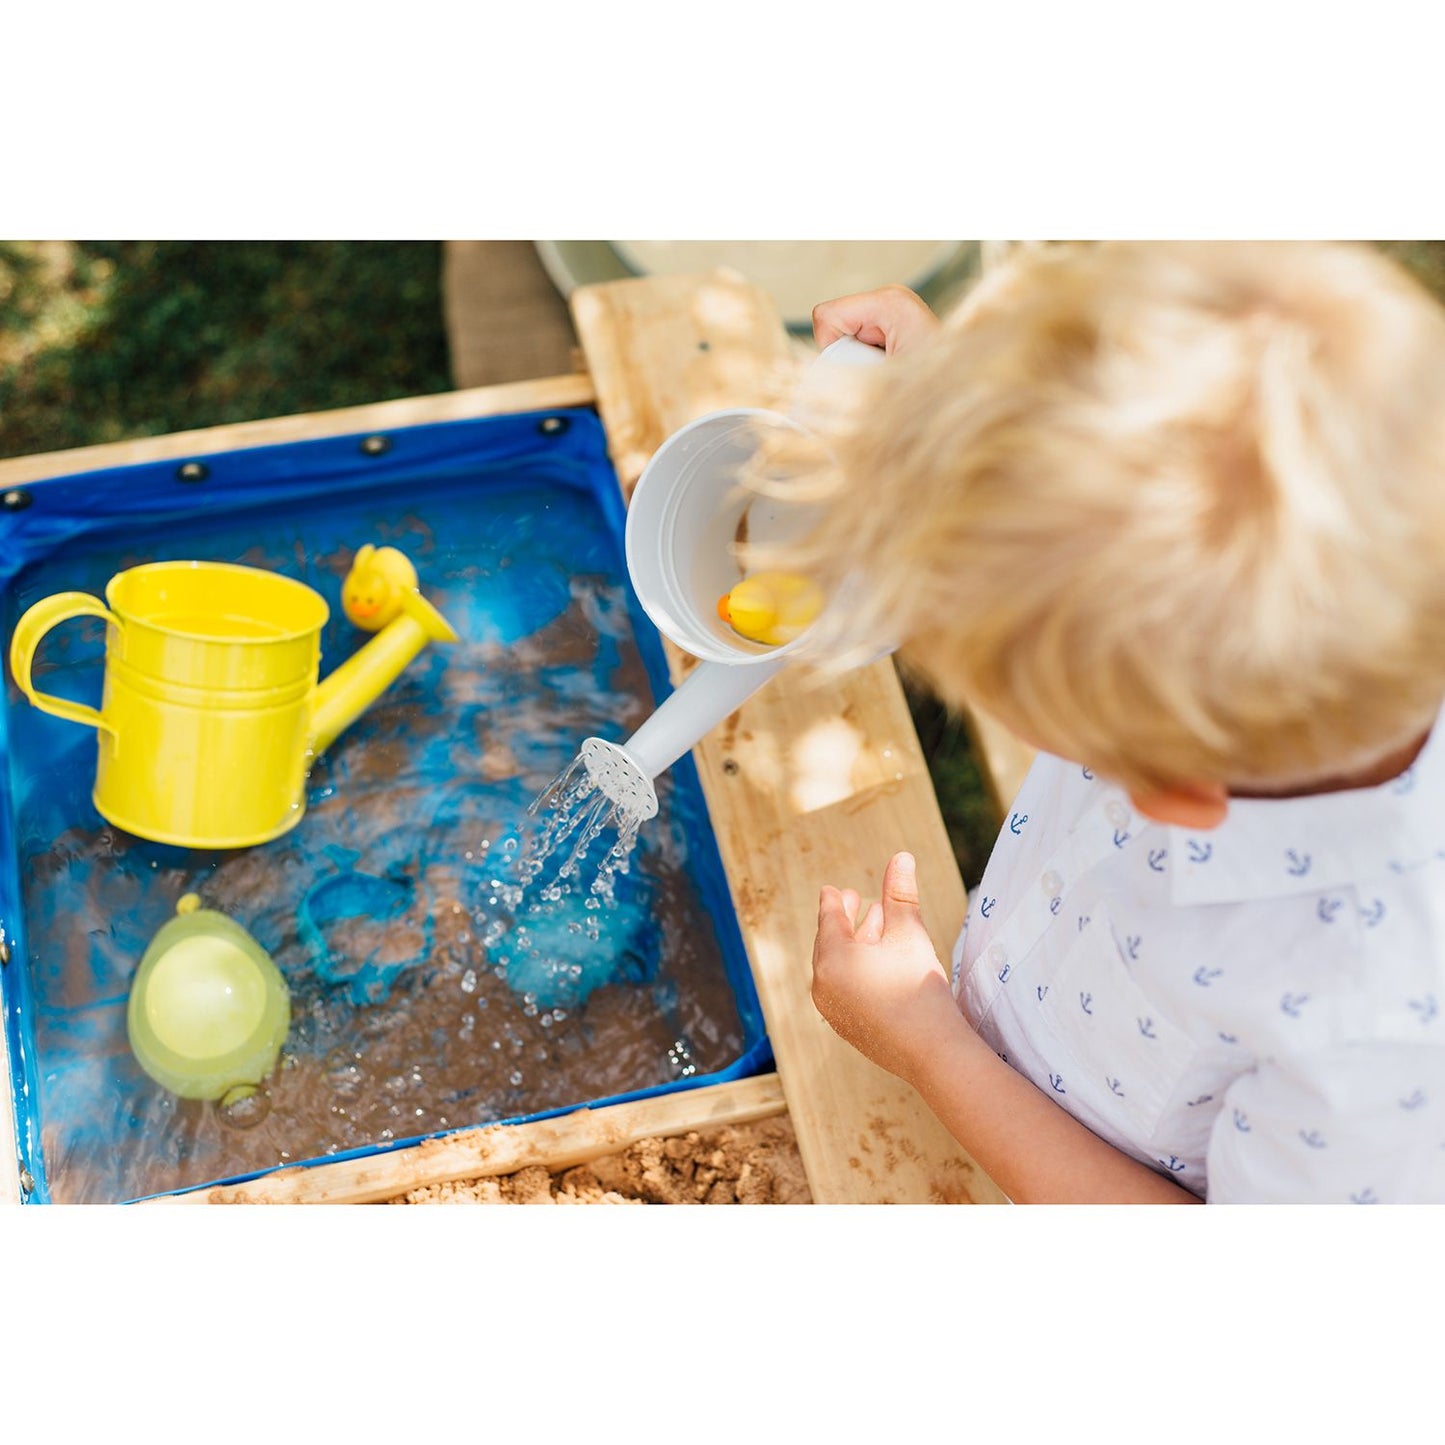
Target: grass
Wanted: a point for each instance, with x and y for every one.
(108, 340)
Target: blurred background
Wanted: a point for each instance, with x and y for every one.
(105, 341)
(108, 340)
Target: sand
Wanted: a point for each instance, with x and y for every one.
(738, 1164)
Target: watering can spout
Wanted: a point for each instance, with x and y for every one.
(379, 595)
(624, 772)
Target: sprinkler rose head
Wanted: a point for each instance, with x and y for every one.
(620, 778)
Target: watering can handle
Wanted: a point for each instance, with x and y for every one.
(33, 626)
(847, 353)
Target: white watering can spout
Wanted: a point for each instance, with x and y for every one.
(686, 515)
(624, 771)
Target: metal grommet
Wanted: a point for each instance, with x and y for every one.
(4, 953)
(16, 499)
(27, 1182)
(193, 472)
(376, 446)
(552, 426)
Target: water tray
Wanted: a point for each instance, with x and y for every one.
(414, 1014)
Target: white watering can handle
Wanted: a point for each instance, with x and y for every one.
(846, 352)
(849, 351)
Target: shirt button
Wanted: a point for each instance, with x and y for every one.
(1118, 814)
(998, 955)
(1052, 884)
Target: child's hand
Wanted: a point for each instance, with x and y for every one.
(878, 982)
(892, 317)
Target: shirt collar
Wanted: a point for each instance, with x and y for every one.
(1274, 847)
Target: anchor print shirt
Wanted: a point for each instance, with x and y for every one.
(1254, 1010)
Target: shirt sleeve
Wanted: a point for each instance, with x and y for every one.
(1359, 1123)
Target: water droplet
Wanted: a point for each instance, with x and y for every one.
(469, 981)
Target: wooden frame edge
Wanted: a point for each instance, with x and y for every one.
(10, 1192)
(511, 396)
(558, 1143)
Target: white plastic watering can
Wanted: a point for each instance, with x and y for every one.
(683, 522)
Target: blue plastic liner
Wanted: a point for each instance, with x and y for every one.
(79, 903)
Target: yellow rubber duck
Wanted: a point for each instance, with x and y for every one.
(379, 581)
(771, 607)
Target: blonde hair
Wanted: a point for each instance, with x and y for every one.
(1175, 510)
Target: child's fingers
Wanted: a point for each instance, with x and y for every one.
(833, 919)
(871, 928)
(900, 892)
(891, 317)
(838, 917)
(843, 316)
(868, 315)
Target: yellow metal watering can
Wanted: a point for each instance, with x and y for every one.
(212, 713)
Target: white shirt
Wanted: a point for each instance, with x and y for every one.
(1254, 1010)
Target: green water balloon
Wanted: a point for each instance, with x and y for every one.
(208, 1008)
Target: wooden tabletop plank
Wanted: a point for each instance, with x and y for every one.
(666, 349)
(557, 1143)
(806, 784)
